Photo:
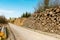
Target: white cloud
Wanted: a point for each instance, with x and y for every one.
(2, 12)
(11, 13)
(7, 13)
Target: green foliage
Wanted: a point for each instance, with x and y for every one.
(26, 15)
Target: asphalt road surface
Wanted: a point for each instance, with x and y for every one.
(20, 33)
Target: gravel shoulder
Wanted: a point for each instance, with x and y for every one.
(10, 34)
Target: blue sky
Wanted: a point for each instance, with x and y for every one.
(15, 8)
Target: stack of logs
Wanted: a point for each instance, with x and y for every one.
(47, 21)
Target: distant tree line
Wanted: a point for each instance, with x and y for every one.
(11, 20)
(26, 15)
(3, 20)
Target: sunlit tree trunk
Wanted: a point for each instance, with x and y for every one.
(46, 2)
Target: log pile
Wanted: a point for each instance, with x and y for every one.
(47, 21)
